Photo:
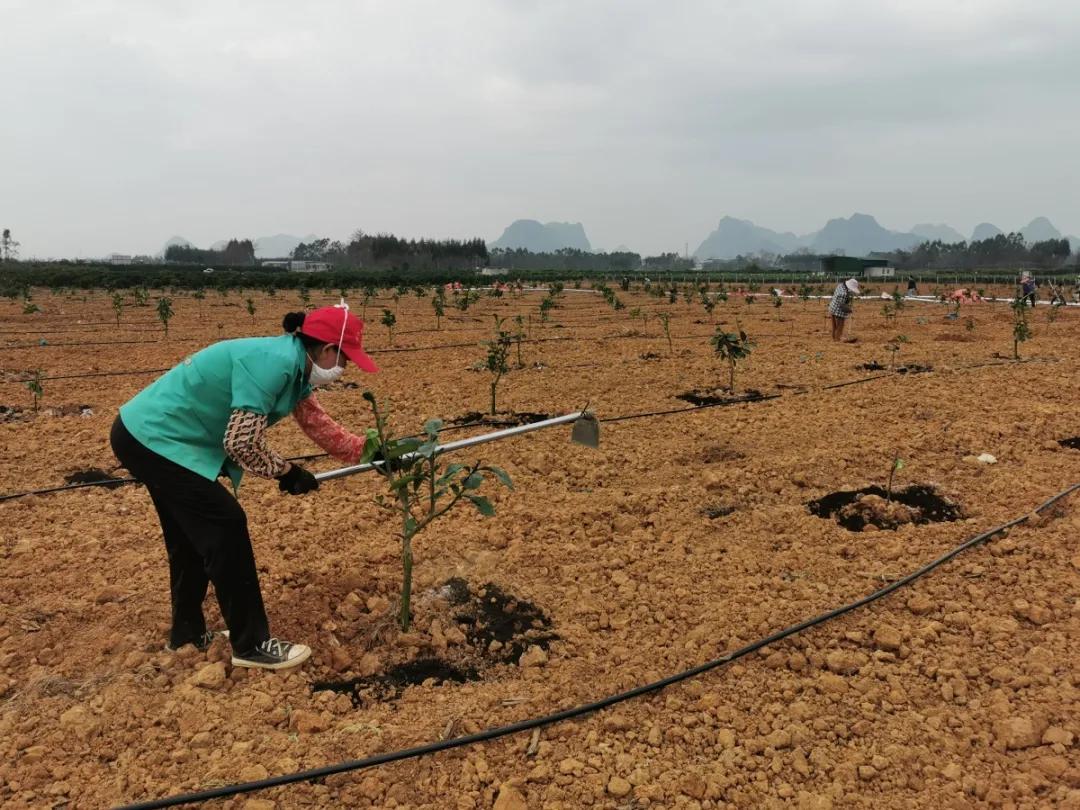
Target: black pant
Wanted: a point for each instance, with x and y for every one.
(207, 539)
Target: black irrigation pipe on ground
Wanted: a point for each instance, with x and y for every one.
(595, 706)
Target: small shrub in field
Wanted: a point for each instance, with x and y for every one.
(140, 295)
(546, 305)
(118, 306)
(731, 347)
(30, 308)
(969, 324)
(1021, 330)
(888, 313)
(249, 304)
(673, 295)
(304, 295)
(35, 388)
(749, 299)
(165, 313)
(369, 292)
(665, 325)
(388, 320)
(421, 488)
(708, 303)
(804, 292)
(438, 303)
(498, 352)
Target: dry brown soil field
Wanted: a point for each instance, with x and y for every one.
(682, 537)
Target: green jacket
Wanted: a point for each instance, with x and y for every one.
(182, 415)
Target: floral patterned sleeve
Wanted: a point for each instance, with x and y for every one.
(245, 442)
(325, 432)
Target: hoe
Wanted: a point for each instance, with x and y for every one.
(586, 431)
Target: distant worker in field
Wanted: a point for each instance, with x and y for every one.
(1028, 290)
(207, 418)
(840, 306)
(912, 290)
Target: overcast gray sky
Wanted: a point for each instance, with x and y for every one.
(124, 123)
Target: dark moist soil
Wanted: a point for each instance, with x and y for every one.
(873, 365)
(717, 511)
(868, 507)
(913, 368)
(709, 398)
(500, 419)
(498, 628)
(91, 475)
(717, 453)
(1072, 442)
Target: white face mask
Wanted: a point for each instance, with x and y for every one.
(319, 376)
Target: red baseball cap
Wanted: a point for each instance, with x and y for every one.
(339, 327)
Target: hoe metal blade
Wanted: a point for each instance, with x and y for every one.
(586, 430)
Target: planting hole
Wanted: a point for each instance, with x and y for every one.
(498, 627)
(512, 419)
(711, 398)
(858, 509)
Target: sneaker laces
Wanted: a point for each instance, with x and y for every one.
(275, 647)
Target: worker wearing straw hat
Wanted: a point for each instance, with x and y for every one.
(207, 418)
(840, 306)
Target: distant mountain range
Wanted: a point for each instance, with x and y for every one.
(858, 235)
(539, 237)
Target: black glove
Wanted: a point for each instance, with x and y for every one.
(297, 481)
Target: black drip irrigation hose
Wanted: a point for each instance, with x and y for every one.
(595, 706)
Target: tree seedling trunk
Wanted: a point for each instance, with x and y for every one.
(897, 464)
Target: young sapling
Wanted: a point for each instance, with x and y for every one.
(665, 324)
(249, 304)
(118, 306)
(731, 347)
(896, 466)
(35, 387)
(421, 488)
(165, 313)
(498, 351)
(388, 320)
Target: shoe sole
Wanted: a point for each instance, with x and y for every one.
(292, 662)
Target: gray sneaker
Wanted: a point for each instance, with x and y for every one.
(273, 654)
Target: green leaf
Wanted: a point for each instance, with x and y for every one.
(410, 526)
(404, 481)
(427, 449)
(473, 481)
(370, 397)
(402, 447)
(432, 427)
(898, 464)
(450, 471)
(500, 473)
(482, 504)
